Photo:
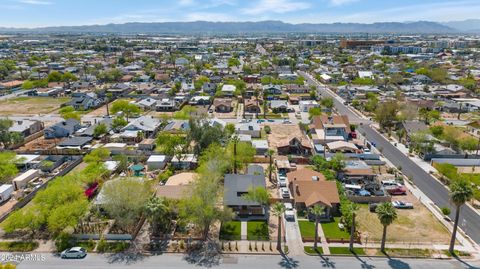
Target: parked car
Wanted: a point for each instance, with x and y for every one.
(282, 181)
(287, 121)
(289, 213)
(270, 120)
(73, 253)
(260, 121)
(402, 205)
(284, 192)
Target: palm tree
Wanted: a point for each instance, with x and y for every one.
(256, 92)
(277, 210)
(156, 210)
(317, 211)
(265, 106)
(460, 193)
(270, 163)
(386, 214)
(352, 209)
(108, 97)
(235, 141)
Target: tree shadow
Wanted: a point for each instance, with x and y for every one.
(326, 262)
(466, 264)
(287, 262)
(364, 264)
(125, 257)
(396, 263)
(205, 254)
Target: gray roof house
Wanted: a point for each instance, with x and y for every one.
(85, 101)
(146, 124)
(237, 185)
(26, 127)
(90, 129)
(62, 129)
(250, 128)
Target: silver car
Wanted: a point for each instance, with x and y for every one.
(73, 253)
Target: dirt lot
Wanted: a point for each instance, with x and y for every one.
(281, 132)
(40, 143)
(416, 225)
(31, 105)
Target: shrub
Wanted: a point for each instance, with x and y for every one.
(18, 246)
(267, 129)
(446, 211)
(64, 241)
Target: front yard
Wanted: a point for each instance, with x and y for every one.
(230, 230)
(331, 230)
(307, 228)
(257, 230)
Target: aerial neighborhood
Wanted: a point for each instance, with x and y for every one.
(288, 144)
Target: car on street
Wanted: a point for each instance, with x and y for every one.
(74, 253)
(287, 121)
(402, 205)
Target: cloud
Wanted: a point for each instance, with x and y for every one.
(186, 2)
(207, 16)
(35, 2)
(341, 2)
(275, 6)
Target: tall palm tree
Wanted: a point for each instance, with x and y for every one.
(460, 193)
(235, 141)
(270, 163)
(156, 210)
(277, 210)
(352, 209)
(256, 92)
(265, 106)
(317, 211)
(386, 214)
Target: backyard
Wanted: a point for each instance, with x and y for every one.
(31, 105)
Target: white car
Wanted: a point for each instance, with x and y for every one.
(282, 181)
(284, 192)
(73, 253)
(287, 121)
(402, 205)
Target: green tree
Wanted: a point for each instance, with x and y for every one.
(100, 129)
(240, 154)
(54, 76)
(386, 114)
(468, 143)
(387, 215)
(317, 211)
(257, 194)
(352, 211)
(97, 155)
(337, 162)
(327, 103)
(68, 112)
(157, 212)
(8, 168)
(171, 144)
(270, 153)
(118, 123)
(29, 218)
(460, 192)
(128, 109)
(278, 209)
(124, 200)
(8, 138)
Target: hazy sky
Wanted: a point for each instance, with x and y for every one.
(35, 13)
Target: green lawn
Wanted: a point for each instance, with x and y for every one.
(257, 230)
(413, 252)
(312, 251)
(230, 230)
(346, 251)
(332, 231)
(307, 228)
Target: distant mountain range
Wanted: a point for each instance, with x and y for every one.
(205, 27)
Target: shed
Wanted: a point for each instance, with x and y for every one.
(156, 162)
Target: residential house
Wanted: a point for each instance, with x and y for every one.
(26, 127)
(309, 188)
(185, 162)
(250, 128)
(62, 129)
(223, 105)
(326, 128)
(147, 103)
(305, 106)
(166, 104)
(85, 101)
(251, 106)
(228, 90)
(237, 185)
(260, 145)
(410, 128)
(272, 89)
(278, 106)
(294, 146)
(200, 100)
(146, 124)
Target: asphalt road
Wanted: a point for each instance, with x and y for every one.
(438, 193)
(240, 262)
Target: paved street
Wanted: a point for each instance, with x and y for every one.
(242, 261)
(470, 220)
